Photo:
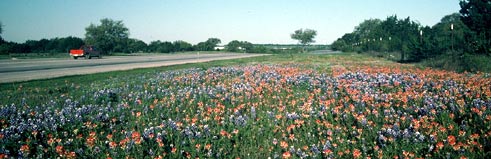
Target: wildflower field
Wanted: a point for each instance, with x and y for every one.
(303, 106)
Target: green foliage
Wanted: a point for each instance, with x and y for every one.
(168, 47)
(55, 45)
(1, 31)
(466, 35)
(476, 14)
(110, 36)
(304, 37)
(234, 46)
(160, 47)
(4, 48)
(444, 39)
(135, 45)
(458, 62)
(238, 46)
(411, 40)
(208, 45)
(180, 46)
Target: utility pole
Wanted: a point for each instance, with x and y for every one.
(451, 28)
(421, 43)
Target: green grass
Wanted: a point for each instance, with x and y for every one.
(170, 53)
(466, 62)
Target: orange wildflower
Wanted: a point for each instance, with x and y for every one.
(109, 137)
(59, 149)
(24, 148)
(327, 151)
(112, 144)
(451, 140)
(90, 141)
(279, 116)
(70, 154)
(439, 145)
(207, 146)
(292, 137)
(284, 144)
(198, 146)
(356, 153)
(223, 133)
(286, 154)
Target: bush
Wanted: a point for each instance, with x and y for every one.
(458, 62)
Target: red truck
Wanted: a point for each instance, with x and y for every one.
(86, 51)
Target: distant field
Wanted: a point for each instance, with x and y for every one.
(281, 106)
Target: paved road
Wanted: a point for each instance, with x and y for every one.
(31, 69)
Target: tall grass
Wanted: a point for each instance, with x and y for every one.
(460, 62)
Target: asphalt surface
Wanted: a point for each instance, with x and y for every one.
(14, 70)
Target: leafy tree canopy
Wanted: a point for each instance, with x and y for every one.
(304, 37)
(476, 14)
(109, 36)
(235, 46)
(208, 45)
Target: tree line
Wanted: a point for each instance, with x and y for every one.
(112, 36)
(466, 32)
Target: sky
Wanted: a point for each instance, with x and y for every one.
(256, 21)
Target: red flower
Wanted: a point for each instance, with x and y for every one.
(356, 153)
(451, 140)
(286, 155)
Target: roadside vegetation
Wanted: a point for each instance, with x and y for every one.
(459, 42)
(315, 106)
(111, 37)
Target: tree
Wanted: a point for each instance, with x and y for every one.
(340, 45)
(161, 47)
(445, 39)
(5, 48)
(248, 47)
(1, 31)
(233, 46)
(390, 26)
(304, 37)
(135, 45)
(236, 46)
(476, 14)
(208, 45)
(213, 41)
(65, 44)
(109, 37)
(180, 45)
